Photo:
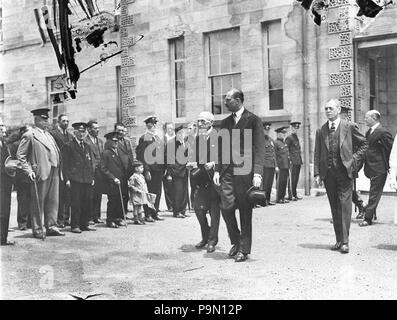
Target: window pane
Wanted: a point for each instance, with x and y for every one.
(179, 70)
(274, 32)
(180, 89)
(216, 85)
(227, 83)
(275, 57)
(237, 81)
(225, 63)
(276, 99)
(372, 77)
(216, 104)
(1, 91)
(180, 108)
(214, 44)
(214, 65)
(275, 79)
(236, 61)
(179, 48)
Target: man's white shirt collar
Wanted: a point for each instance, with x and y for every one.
(239, 114)
(336, 122)
(374, 127)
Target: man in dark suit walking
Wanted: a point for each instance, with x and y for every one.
(380, 142)
(339, 147)
(295, 158)
(62, 136)
(96, 146)
(239, 170)
(270, 164)
(282, 157)
(79, 177)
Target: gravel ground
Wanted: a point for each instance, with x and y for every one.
(291, 259)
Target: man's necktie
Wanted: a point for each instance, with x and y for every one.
(234, 115)
(332, 127)
(82, 145)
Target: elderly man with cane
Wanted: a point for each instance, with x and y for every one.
(40, 159)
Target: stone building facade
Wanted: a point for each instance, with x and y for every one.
(193, 51)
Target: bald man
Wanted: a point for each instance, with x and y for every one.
(376, 164)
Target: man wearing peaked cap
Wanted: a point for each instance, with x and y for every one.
(40, 158)
(282, 157)
(270, 163)
(296, 162)
(151, 119)
(79, 177)
(117, 176)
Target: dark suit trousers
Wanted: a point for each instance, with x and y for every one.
(64, 205)
(228, 185)
(180, 194)
(114, 210)
(5, 206)
(293, 183)
(268, 178)
(23, 198)
(96, 204)
(282, 183)
(81, 204)
(154, 186)
(167, 192)
(339, 191)
(375, 193)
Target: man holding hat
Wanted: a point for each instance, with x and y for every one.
(79, 177)
(117, 175)
(282, 157)
(40, 158)
(270, 164)
(154, 170)
(295, 157)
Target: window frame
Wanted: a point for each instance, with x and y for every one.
(50, 93)
(174, 81)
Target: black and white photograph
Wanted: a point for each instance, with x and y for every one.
(212, 152)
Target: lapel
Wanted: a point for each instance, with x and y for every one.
(344, 129)
(243, 120)
(374, 135)
(324, 133)
(41, 138)
(77, 147)
(117, 160)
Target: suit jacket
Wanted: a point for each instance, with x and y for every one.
(112, 167)
(34, 153)
(352, 146)
(201, 176)
(270, 153)
(377, 155)
(125, 150)
(282, 154)
(254, 153)
(4, 155)
(96, 150)
(60, 138)
(176, 168)
(294, 149)
(78, 163)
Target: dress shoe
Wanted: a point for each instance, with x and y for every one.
(210, 248)
(120, 223)
(23, 228)
(112, 225)
(293, 199)
(365, 223)
(149, 219)
(61, 226)
(344, 248)
(201, 244)
(283, 201)
(336, 246)
(88, 229)
(360, 215)
(8, 243)
(179, 215)
(54, 232)
(157, 218)
(233, 251)
(76, 230)
(240, 257)
(297, 198)
(269, 203)
(98, 221)
(91, 222)
(67, 224)
(39, 235)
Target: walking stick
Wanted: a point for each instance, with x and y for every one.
(277, 184)
(40, 211)
(122, 205)
(355, 194)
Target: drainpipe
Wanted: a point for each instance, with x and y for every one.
(306, 122)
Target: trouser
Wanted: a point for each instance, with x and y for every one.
(24, 199)
(230, 194)
(5, 206)
(48, 192)
(207, 201)
(268, 177)
(180, 194)
(64, 206)
(96, 198)
(114, 210)
(282, 183)
(293, 181)
(154, 186)
(167, 193)
(81, 204)
(339, 191)
(375, 193)
(357, 199)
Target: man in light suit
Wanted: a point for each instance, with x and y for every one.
(339, 147)
(40, 158)
(239, 170)
(376, 164)
(96, 145)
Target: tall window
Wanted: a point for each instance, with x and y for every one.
(177, 47)
(1, 25)
(56, 96)
(372, 84)
(224, 66)
(274, 63)
(1, 98)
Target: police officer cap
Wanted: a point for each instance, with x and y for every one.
(79, 126)
(295, 124)
(42, 112)
(281, 129)
(179, 127)
(267, 125)
(151, 119)
(112, 136)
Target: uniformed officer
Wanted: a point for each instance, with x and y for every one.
(79, 177)
(154, 170)
(270, 163)
(294, 149)
(282, 157)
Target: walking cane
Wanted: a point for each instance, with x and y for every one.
(40, 211)
(277, 184)
(122, 205)
(355, 194)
